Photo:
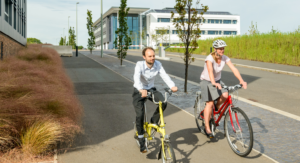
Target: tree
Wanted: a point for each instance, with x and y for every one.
(162, 34)
(253, 29)
(188, 29)
(89, 25)
(123, 41)
(61, 42)
(72, 38)
(33, 41)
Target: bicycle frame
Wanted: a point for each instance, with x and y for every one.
(222, 110)
(160, 129)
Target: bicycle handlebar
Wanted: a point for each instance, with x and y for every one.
(231, 88)
(168, 91)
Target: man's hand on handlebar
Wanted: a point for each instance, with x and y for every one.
(174, 89)
(143, 92)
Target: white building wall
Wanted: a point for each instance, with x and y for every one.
(153, 25)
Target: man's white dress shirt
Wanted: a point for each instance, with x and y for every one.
(144, 77)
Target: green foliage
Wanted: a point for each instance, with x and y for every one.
(72, 38)
(61, 42)
(80, 47)
(89, 25)
(282, 48)
(273, 31)
(188, 29)
(253, 29)
(162, 34)
(33, 41)
(123, 41)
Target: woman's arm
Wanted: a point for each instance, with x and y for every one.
(237, 74)
(211, 74)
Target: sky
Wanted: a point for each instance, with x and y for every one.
(48, 20)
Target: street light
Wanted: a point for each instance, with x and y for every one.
(101, 28)
(68, 30)
(76, 26)
(64, 36)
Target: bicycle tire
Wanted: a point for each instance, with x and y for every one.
(243, 134)
(198, 108)
(170, 155)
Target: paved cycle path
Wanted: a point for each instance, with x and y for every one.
(109, 115)
(275, 135)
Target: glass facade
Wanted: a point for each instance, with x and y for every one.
(133, 22)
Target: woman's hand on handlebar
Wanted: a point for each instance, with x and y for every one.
(143, 92)
(217, 85)
(244, 84)
(174, 89)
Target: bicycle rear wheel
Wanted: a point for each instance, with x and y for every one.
(168, 155)
(198, 108)
(238, 132)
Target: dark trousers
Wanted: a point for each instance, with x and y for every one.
(138, 103)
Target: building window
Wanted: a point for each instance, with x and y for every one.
(230, 32)
(174, 32)
(227, 22)
(162, 31)
(203, 32)
(8, 12)
(213, 32)
(234, 21)
(220, 32)
(164, 20)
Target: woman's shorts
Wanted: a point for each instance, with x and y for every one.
(209, 92)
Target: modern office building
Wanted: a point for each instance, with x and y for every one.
(143, 23)
(13, 25)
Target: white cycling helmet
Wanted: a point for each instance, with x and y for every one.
(219, 44)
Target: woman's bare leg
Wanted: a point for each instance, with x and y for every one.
(207, 115)
(222, 99)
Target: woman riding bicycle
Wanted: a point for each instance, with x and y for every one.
(210, 87)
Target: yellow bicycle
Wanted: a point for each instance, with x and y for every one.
(166, 153)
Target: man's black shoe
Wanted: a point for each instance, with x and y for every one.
(142, 145)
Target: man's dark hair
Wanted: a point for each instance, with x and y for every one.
(144, 50)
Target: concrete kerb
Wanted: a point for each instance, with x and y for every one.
(253, 67)
(175, 104)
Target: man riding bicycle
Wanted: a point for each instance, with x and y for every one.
(144, 76)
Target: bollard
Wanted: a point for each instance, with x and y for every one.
(1, 50)
(76, 51)
(210, 49)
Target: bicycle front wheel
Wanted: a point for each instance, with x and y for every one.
(167, 153)
(198, 108)
(239, 133)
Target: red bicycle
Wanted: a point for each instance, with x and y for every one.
(237, 127)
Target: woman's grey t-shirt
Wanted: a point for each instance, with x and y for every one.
(217, 68)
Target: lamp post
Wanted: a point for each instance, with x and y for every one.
(76, 32)
(76, 25)
(64, 37)
(101, 28)
(68, 30)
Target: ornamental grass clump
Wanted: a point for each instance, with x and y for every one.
(33, 85)
(40, 135)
